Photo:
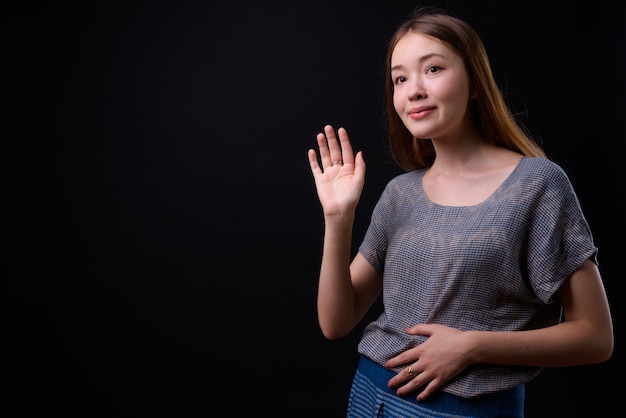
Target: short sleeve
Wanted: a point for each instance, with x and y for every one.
(560, 239)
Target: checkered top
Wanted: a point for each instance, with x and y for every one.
(495, 266)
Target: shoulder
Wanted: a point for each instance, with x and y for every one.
(541, 164)
(402, 188)
(542, 169)
(546, 180)
(405, 183)
(408, 178)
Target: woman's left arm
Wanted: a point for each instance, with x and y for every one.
(584, 337)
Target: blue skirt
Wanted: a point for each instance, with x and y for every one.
(371, 398)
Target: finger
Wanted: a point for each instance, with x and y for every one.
(428, 391)
(313, 162)
(324, 151)
(412, 380)
(411, 385)
(347, 154)
(406, 357)
(406, 374)
(421, 329)
(359, 165)
(333, 146)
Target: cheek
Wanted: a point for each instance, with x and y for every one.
(455, 94)
(398, 102)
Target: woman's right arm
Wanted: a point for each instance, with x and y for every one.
(346, 289)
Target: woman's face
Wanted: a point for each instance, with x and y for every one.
(431, 86)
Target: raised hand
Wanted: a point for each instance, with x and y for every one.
(339, 174)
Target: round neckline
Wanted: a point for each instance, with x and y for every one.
(488, 198)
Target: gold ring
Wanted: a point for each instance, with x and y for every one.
(411, 372)
(337, 162)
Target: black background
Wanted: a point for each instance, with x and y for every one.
(163, 233)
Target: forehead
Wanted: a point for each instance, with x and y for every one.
(414, 45)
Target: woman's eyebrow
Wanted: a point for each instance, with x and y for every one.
(420, 60)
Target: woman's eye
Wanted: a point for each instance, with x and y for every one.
(432, 69)
(400, 80)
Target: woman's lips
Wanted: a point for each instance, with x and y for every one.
(420, 112)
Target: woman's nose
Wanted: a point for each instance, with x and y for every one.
(416, 91)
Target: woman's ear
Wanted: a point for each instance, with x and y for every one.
(473, 92)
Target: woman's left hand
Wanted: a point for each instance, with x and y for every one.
(442, 356)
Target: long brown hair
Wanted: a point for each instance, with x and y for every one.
(490, 113)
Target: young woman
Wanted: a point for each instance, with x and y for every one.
(486, 264)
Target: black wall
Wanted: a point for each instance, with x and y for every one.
(163, 232)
